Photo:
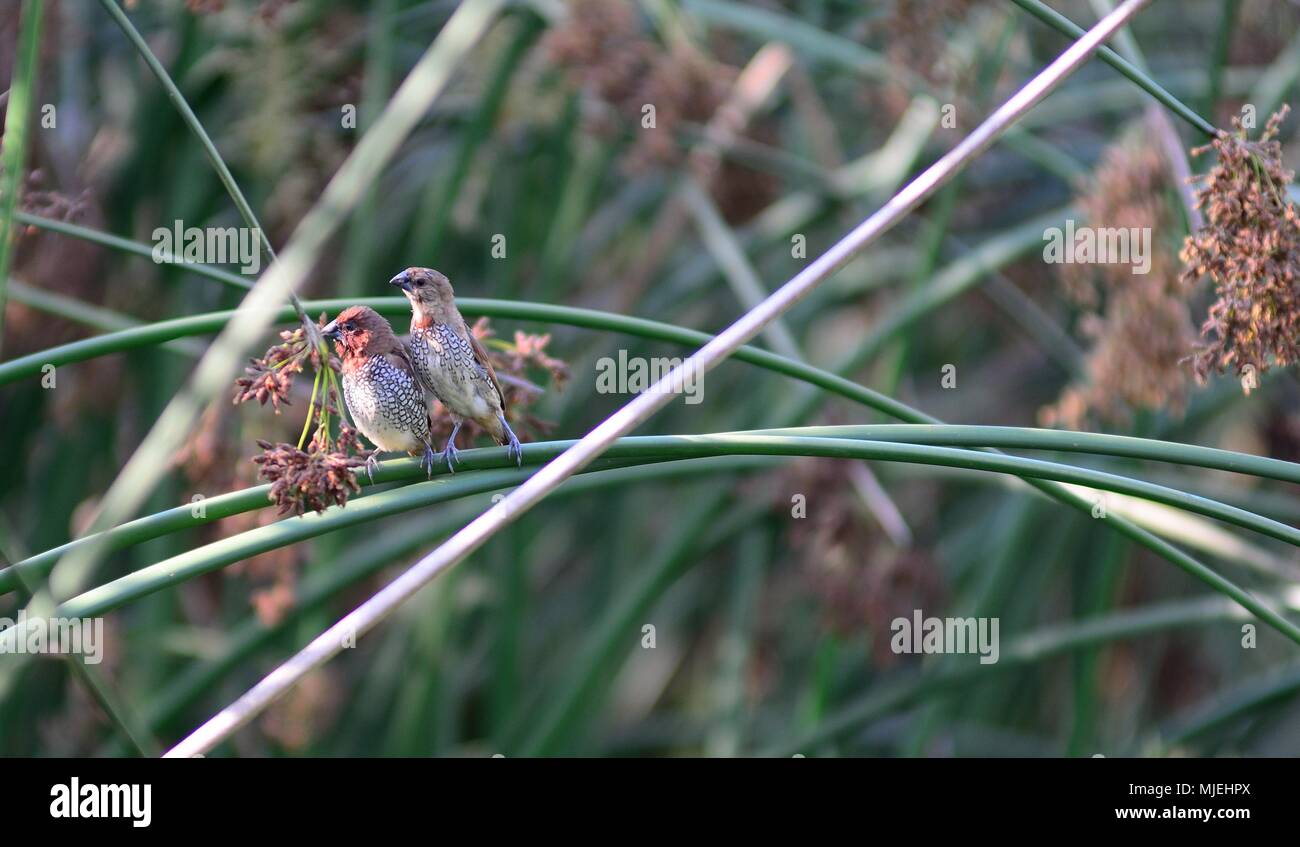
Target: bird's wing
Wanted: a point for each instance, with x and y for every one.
(481, 356)
(400, 358)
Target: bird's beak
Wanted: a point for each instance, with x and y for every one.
(401, 281)
(331, 330)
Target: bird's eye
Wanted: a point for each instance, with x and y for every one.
(419, 283)
(348, 327)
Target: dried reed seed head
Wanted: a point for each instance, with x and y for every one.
(1140, 326)
(1249, 247)
(270, 376)
(603, 49)
(1136, 362)
(313, 479)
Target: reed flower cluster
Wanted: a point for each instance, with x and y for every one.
(1250, 250)
(1139, 324)
(603, 50)
(313, 479)
(270, 376)
(321, 473)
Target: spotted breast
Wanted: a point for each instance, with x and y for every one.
(387, 405)
(446, 363)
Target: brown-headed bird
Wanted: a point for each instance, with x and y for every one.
(451, 362)
(383, 391)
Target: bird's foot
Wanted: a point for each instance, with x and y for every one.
(427, 462)
(372, 462)
(450, 450)
(514, 450)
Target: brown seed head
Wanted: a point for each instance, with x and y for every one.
(1139, 323)
(313, 479)
(1250, 249)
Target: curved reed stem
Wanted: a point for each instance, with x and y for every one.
(661, 448)
(225, 505)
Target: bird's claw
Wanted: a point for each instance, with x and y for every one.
(513, 449)
(450, 450)
(372, 462)
(427, 462)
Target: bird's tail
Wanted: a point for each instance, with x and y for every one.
(496, 428)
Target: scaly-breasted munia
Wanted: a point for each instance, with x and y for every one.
(451, 362)
(383, 392)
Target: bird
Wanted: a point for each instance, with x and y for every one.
(452, 362)
(384, 393)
